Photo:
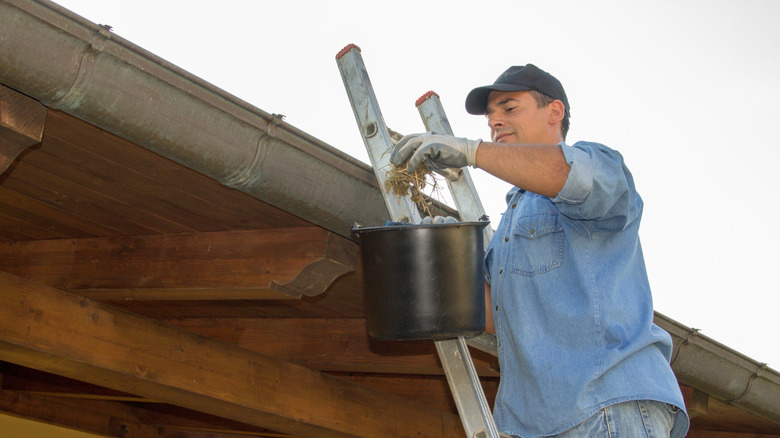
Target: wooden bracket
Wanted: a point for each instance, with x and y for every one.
(21, 124)
(339, 258)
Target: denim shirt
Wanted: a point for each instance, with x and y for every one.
(571, 302)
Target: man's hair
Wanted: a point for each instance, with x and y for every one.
(542, 100)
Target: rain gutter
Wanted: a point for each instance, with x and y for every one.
(81, 68)
(76, 66)
(709, 367)
(723, 373)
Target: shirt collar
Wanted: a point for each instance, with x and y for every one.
(511, 193)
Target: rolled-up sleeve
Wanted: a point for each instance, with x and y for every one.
(580, 179)
(487, 263)
(599, 186)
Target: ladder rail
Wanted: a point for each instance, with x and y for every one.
(466, 388)
(374, 132)
(454, 354)
(464, 194)
(461, 185)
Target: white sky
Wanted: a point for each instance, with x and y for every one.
(687, 91)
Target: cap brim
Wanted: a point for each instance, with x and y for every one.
(476, 101)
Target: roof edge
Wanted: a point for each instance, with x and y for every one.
(76, 66)
(709, 366)
(71, 64)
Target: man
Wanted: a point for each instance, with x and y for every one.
(567, 289)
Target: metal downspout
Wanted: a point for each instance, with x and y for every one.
(74, 65)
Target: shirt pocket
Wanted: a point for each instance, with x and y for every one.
(537, 244)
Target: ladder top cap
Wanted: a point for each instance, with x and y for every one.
(347, 49)
(425, 97)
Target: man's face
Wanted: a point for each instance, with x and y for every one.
(514, 117)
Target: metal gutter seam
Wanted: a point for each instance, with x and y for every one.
(703, 363)
(74, 65)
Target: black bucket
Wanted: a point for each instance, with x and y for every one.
(423, 281)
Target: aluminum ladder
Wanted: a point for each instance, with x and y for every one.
(454, 353)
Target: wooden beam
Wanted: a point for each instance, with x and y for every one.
(696, 402)
(348, 347)
(697, 433)
(118, 419)
(208, 433)
(27, 380)
(61, 333)
(73, 415)
(430, 390)
(253, 264)
(721, 416)
(46, 386)
(21, 124)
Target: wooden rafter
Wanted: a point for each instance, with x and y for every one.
(61, 333)
(72, 414)
(110, 418)
(254, 264)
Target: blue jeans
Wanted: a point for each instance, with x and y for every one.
(632, 419)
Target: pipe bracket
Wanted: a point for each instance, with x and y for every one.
(692, 334)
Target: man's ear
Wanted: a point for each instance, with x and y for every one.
(556, 112)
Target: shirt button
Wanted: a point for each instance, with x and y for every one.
(500, 272)
(506, 239)
(496, 308)
(514, 205)
(533, 231)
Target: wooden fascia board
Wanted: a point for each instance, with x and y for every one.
(72, 336)
(249, 264)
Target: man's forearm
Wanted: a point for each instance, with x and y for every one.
(489, 326)
(538, 168)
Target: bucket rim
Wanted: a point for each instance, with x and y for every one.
(397, 226)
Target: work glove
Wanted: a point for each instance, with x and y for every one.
(439, 220)
(438, 151)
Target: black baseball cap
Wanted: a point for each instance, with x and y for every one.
(518, 78)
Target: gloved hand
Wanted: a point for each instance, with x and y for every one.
(437, 150)
(439, 220)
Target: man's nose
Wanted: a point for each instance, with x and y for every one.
(494, 122)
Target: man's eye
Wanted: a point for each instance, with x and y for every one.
(510, 109)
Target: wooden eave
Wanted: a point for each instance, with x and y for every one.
(122, 235)
(139, 298)
(116, 231)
